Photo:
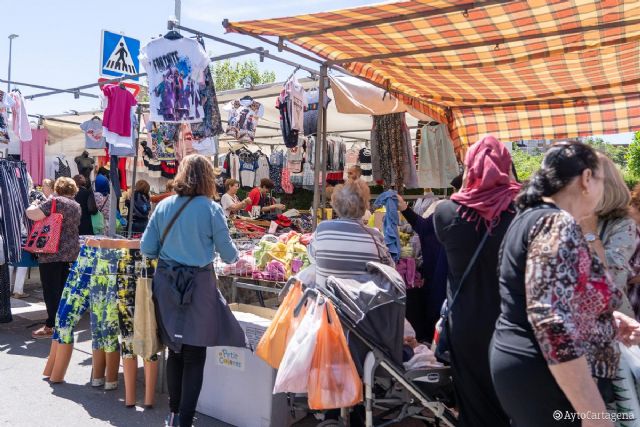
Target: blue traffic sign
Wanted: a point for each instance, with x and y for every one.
(119, 55)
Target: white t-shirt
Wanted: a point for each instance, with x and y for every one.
(175, 72)
(226, 201)
(298, 102)
(243, 118)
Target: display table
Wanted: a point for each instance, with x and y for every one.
(260, 286)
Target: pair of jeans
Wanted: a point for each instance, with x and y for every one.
(184, 378)
(53, 276)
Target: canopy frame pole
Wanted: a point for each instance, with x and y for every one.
(133, 178)
(74, 92)
(320, 160)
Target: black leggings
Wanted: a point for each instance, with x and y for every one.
(53, 276)
(184, 378)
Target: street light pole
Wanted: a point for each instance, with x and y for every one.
(11, 37)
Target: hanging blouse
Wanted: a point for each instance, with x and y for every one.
(244, 115)
(364, 161)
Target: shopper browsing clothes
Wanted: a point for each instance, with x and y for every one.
(141, 206)
(483, 206)
(47, 188)
(192, 314)
(87, 202)
(54, 268)
(554, 349)
(259, 197)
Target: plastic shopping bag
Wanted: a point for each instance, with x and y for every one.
(333, 379)
(293, 374)
(274, 341)
(146, 341)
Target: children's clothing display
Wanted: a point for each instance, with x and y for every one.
(248, 166)
(32, 153)
(93, 134)
(292, 103)
(263, 169)
(163, 138)
(117, 116)
(276, 164)
(311, 112)
(364, 161)
(437, 161)
(175, 71)
(244, 115)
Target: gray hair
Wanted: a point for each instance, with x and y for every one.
(351, 200)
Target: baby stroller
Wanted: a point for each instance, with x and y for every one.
(371, 308)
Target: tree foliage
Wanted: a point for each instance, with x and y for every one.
(526, 163)
(633, 156)
(238, 75)
(617, 154)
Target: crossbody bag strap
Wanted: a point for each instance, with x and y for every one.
(173, 221)
(468, 269)
(604, 229)
(375, 242)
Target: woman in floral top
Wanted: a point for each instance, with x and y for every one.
(554, 348)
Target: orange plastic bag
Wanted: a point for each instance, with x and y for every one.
(333, 379)
(274, 341)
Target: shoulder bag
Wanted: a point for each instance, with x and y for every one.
(97, 219)
(443, 349)
(45, 234)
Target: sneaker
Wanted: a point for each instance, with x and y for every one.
(42, 333)
(172, 420)
(97, 382)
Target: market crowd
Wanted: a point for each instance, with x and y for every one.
(539, 278)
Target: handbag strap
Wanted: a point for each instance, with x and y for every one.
(467, 270)
(375, 242)
(53, 205)
(173, 221)
(604, 229)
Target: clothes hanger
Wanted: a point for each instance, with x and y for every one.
(246, 98)
(173, 35)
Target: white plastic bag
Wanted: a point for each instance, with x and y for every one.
(293, 374)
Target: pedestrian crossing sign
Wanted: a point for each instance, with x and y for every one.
(119, 55)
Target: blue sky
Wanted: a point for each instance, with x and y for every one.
(59, 43)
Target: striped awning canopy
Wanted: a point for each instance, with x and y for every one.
(538, 69)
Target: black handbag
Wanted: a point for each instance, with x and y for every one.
(443, 348)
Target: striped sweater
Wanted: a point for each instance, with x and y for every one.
(343, 247)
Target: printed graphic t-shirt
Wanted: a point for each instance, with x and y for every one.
(93, 134)
(243, 118)
(175, 72)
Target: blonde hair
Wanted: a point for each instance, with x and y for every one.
(65, 187)
(616, 196)
(47, 183)
(351, 200)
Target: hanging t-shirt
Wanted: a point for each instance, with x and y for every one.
(243, 118)
(117, 116)
(93, 138)
(298, 101)
(175, 72)
(4, 127)
(364, 161)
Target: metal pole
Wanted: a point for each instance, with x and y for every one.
(133, 179)
(325, 156)
(178, 10)
(319, 158)
(11, 37)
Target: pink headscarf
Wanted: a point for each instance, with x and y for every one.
(488, 190)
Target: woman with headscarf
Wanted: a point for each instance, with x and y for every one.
(484, 205)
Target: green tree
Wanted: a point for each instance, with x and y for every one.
(526, 164)
(238, 75)
(633, 156)
(617, 154)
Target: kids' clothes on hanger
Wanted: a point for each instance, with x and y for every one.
(263, 169)
(117, 116)
(286, 184)
(232, 166)
(19, 117)
(364, 161)
(307, 175)
(93, 138)
(298, 101)
(248, 167)
(295, 157)
(438, 164)
(312, 111)
(123, 146)
(162, 138)
(244, 115)
(32, 153)
(276, 164)
(289, 135)
(175, 70)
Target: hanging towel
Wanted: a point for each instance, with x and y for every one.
(389, 199)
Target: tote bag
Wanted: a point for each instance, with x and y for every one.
(45, 234)
(146, 340)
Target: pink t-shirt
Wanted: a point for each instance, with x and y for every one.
(117, 116)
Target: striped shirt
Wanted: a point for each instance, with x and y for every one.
(343, 247)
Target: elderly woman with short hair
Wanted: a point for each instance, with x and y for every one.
(343, 247)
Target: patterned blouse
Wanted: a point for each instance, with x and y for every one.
(570, 298)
